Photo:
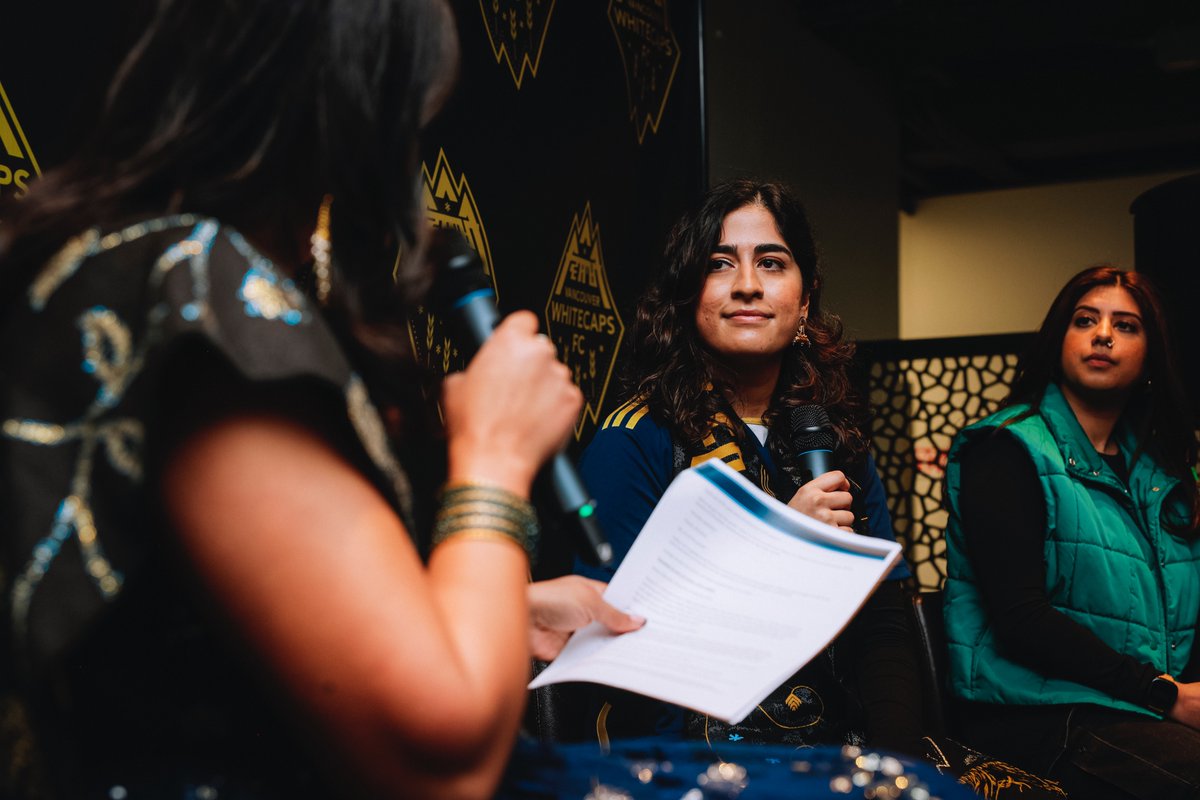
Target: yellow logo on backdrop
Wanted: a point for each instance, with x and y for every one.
(17, 164)
(448, 204)
(517, 31)
(582, 317)
(650, 54)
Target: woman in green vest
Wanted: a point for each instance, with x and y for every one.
(1073, 587)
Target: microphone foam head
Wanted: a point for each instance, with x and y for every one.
(811, 429)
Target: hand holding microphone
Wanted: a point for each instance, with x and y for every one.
(511, 410)
(518, 377)
(824, 492)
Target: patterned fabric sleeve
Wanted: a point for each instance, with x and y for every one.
(107, 313)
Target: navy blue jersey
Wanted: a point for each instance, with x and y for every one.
(631, 462)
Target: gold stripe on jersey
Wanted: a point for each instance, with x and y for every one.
(730, 453)
(627, 416)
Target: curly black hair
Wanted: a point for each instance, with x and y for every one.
(676, 375)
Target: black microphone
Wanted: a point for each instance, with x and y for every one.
(815, 440)
(462, 290)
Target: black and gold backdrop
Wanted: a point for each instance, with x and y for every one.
(574, 140)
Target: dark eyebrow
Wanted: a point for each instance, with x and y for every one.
(770, 247)
(1095, 310)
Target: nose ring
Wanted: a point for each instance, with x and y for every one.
(1107, 342)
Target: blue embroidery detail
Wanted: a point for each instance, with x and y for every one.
(735, 737)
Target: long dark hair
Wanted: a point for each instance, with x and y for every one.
(251, 111)
(672, 370)
(1157, 412)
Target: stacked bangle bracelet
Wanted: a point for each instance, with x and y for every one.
(479, 511)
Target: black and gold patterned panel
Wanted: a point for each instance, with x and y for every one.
(922, 393)
(572, 143)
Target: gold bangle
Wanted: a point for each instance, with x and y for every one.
(473, 508)
(479, 535)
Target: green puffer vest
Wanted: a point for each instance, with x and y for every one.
(1110, 565)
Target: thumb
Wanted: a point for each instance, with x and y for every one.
(615, 620)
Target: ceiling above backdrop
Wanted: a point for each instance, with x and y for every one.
(993, 95)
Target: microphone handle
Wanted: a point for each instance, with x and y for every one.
(575, 500)
(812, 463)
(478, 317)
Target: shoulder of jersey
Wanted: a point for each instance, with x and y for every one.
(627, 416)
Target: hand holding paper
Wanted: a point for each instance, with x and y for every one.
(740, 591)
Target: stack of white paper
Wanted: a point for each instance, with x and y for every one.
(739, 591)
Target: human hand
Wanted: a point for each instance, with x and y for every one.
(511, 409)
(1187, 705)
(826, 498)
(559, 607)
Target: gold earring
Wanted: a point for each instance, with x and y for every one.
(801, 338)
(321, 248)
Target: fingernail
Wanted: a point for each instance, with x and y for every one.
(637, 619)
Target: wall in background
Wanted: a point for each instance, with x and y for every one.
(990, 263)
(781, 104)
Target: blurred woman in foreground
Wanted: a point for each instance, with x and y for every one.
(211, 576)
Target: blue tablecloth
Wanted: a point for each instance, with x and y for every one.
(675, 770)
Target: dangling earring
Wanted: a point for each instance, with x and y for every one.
(801, 338)
(321, 247)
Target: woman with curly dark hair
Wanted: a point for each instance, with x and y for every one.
(732, 352)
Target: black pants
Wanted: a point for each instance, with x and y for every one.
(1094, 752)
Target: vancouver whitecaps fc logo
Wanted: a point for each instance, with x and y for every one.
(516, 30)
(448, 204)
(650, 54)
(17, 164)
(582, 317)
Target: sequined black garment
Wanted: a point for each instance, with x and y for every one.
(119, 678)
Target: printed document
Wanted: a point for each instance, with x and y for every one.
(738, 590)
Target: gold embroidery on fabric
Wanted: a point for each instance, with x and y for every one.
(107, 349)
(34, 432)
(794, 702)
(123, 443)
(991, 778)
(941, 763)
(269, 298)
(61, 266)
(109, 356)
(369, 426)
(602, 728)
(66, 261)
